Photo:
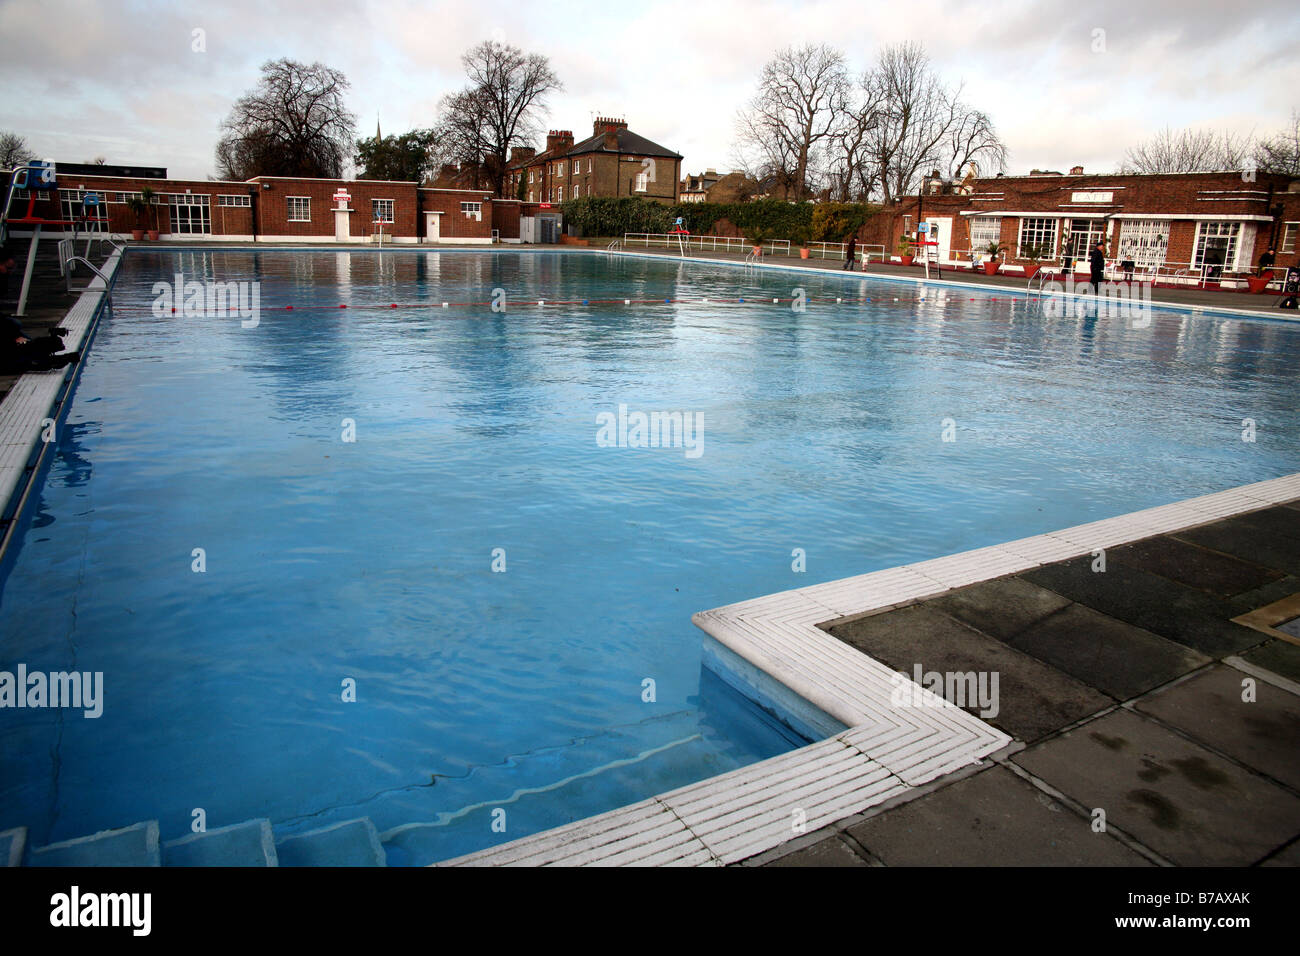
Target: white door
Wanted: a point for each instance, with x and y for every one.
(432, 226)
(341, 230)
(941, 229)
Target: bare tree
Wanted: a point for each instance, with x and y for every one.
(802, 94)
(973, 139)
(1281, 152)
(13, 150)
(294, 123)
(854, 174)
(463, 135)
(500, 108)
(1189, 151)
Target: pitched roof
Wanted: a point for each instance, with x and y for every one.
(628, 142)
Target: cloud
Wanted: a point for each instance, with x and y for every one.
(86, 78)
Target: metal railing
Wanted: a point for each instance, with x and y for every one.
(776, 247)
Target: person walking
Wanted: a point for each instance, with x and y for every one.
(851, 252)
(1097, 266)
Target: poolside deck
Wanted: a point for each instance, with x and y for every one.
(1124, 691)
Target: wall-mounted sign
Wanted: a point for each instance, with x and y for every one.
(1092, 197)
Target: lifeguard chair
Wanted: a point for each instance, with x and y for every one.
(38, 178)
(683, 235)
(927, 240)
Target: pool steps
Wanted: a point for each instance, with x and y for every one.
(251, 843)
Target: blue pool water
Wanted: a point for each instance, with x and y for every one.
(371, 560)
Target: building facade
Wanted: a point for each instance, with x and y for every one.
(613, 162)
(1205, 223)
(277, 209)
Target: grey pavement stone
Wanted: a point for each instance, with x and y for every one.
(1195, 567)
(1118, 658)
(1277, 656)
(991, 819)
(1264, 734)
(1033, 698)
(832, 851)
(1001, 608)
(1189, 805)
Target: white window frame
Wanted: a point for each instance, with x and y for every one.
(197, 212)
(377, 207)
(1094, 231)
(1217, 229)
(642, 181)
(71, 206)
(1289, 233)
(235, 200)
(294, 213)
(472, 210)
(1039, 234)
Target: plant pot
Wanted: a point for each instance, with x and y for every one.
(991, 268)
(137, 234)
(153, 234)
(803, 253)
(907, 260)
(1030, 269)
(757, 250)
(1257, 284)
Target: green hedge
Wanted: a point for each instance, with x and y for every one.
(825, 222)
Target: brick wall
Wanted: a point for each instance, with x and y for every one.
(454, 223)
(273, 207)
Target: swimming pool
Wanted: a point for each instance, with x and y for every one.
(820, 440)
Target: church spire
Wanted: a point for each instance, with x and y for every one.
(378, 135)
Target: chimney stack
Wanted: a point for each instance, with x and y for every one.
(559, 139)
(1076, 170)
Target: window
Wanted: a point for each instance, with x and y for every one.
(561, 194)
(1288, 237)
(124, 198)
(235, 200)
(1216, 246)
(472, 210)
(381, 210)
(300, 209)
(559, 169)
(1144, 241)
(1037, 231)
(984, 230)
(642, 181)
(191, 213)
(72, 207)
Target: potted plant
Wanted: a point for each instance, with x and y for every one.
(148, 198)
(905, 255)
(991, 264)
(138, 208)
(1034, 252)
(800, 236)
(756, 238)
(1257, 284)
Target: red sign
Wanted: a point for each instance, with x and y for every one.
(544, 205)
(342, 195)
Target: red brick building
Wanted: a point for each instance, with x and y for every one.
(1206, 223)
(281, 209)
(613, 162)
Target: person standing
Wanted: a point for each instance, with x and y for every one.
(851, 252)
(1097, 266)
(1266, 260)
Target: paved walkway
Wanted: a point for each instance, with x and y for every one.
(1137, 696)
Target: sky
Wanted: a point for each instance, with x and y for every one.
(1066, 83)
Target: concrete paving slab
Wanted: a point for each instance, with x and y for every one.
(1287, 857)
(1279, 657)
(832, 851)
(1033, 698)
(1189, 805)
(1274, 591)
(1148, 601)
(1196, 567)
(993, 818)
(1116, 658)
(1001, 608)
(1263, 733)
(1266, 537)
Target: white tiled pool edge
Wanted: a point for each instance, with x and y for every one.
(887, 751)
(32, 399)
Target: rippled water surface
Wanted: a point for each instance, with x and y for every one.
(475, 431)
